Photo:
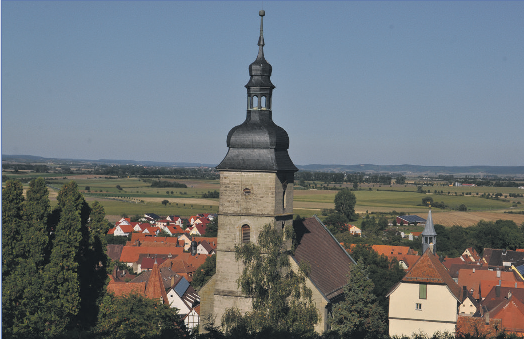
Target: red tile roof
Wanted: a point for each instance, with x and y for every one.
(487, 285)
(155, 286)
(511, 313)
(122, 288)
(130, 253)
(428, 269)
(471, 278)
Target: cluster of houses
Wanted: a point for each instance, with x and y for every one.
(161, 267)
(470, 294)
(465, 295)
(172, 225)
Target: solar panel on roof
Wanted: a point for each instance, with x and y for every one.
(413, 218)
(182, 287)
(520, 269)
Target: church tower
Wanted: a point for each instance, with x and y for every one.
(256, 187)
(429, 236)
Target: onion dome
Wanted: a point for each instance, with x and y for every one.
(258, 144)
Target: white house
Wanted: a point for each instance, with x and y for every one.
(426, 300)
(184, 297)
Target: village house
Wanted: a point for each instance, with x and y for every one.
(426, 300)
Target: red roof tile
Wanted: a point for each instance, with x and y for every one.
(155, 286)
(428, 269)
(471, 278)
(122, 289)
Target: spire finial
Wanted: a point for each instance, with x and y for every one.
(261, 38)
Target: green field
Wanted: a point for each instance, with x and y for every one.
(138, 197)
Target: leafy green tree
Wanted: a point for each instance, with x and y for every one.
(165, 202)
(345, 202)
(212, 228)
(427, 201)
(205, 272)
(383, 272)
(336, 222)
(359, 315)
(281, 301)
(136, 316)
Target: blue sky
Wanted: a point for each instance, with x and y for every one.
(415, 82)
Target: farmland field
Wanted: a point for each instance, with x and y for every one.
(133, 196)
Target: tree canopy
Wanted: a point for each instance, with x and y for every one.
(281, 301)
(359, 316)
(345, 202)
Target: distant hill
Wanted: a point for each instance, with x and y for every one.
(36, 159)
(418, 169)
(405, 169)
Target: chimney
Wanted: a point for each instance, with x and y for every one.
(498, 273)
(509, 294)
(486, 318)
(497, 291)
(473, 269)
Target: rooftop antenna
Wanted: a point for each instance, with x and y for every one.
(261, 38)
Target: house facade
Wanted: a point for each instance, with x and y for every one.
(426, 300)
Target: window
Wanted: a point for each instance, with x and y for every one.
(255, 102)
(263, 102)
(418, 306)
(422, 291)
(246, 230)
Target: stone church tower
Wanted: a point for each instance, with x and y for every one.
(256, 188)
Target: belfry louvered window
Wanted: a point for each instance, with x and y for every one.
(246, 233)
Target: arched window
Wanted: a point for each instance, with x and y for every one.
(246, 233)
(255, 102)
(263, 102)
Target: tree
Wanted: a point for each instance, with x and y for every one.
(427, 201)
(212, 228)
(359, 315)
(135, 316)
(383, 272)
(281, 301)
(165, 202)
(336, 222)
(204, 272)
(345, 202)
(61, 284)
(12, 291)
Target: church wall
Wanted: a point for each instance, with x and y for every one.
(318, 299)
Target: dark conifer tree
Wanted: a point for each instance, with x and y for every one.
(12, 292)
(61, 293)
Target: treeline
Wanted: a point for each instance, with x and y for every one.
(342, 177)
(451, 241)
(55, 271)
(163, 183)
(143, 172)
(26, 167)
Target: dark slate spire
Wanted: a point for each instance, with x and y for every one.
(258, 144)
